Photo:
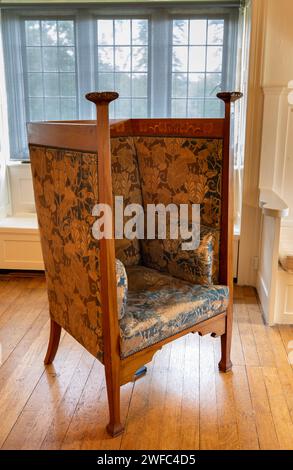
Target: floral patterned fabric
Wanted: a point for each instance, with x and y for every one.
(182, 171)
(126, 183)
(66, 189)
(200, 266)
(122, 288)
(159, 306)
(173, 170)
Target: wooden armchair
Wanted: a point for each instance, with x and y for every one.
(124, 310)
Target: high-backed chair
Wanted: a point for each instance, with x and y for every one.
(125, 299)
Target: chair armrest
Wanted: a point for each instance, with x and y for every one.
(122, 288)
(199, 266)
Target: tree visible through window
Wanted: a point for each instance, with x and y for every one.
(50, 75)
(197, 64)
(122, 65)
(161, 64)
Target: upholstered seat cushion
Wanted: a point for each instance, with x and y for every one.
(159, 306)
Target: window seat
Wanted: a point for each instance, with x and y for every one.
(24, 224)
(20, 246)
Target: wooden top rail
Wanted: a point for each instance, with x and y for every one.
(81, 135)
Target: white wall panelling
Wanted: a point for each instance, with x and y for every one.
(21, 189)
(273, 284)
(20, 246)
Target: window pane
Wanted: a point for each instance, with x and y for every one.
(180, 58)
(180, 32)
(139, 59)
(105, 59)
(197, 59)
(35, 84)
(213, 108)
(139, 108)
(122, 84)
(214, 59)
(122, 59)
(51, 84)
(50, 59)
(140, 32)
(66, 33)
(216, 32)
(122, 32)
(49, 33)
(122, 46)
(195, 108)
(213, 84)
(105, 32)
(34, 60)
(179, 108)
(36, 110)
(196, 66)
(122, 108)
(196, 85)
(198, 32)
(68, 108)
(32, 32)
(139, 84)
(67, 84)
(52, 109)
(66, 59)
(179, 85)
(106, 81)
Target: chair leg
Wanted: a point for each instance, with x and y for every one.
(225, 364)
(114, 428)
(55, 332)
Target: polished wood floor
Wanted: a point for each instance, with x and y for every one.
(182, 403)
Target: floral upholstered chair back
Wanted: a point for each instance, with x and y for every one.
(171, 170)
(183, 170)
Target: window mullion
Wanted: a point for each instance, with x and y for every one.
(160, 64)
(85, 52)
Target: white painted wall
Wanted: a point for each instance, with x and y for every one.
(275, 286)
(278, 58)
(287, 183)
(271, 66)
(278, 71)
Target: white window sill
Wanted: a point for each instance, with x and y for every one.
(27, 223)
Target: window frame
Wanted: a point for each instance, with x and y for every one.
(25, 71)
(160, 19)
(224, 56)
(127, 16)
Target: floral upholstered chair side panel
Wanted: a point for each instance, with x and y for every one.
(124, 299)
(66, 188)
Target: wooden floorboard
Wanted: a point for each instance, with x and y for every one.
(182, 403)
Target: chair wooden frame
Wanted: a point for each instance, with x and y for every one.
(95, 137)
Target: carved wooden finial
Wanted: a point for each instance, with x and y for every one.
(102, 97)
(229, 97)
